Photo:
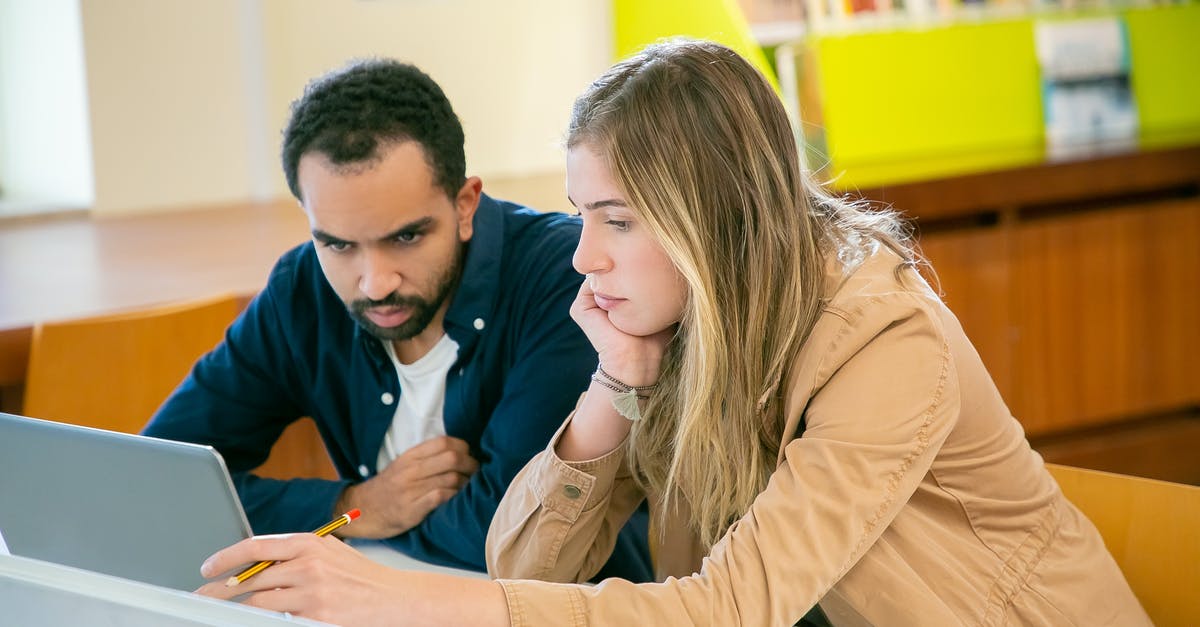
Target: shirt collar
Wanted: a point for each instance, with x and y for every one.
(475, 296)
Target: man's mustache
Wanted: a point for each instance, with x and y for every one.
(394, 299)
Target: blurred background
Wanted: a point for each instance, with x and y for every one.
(1048, 155)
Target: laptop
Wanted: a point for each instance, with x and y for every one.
(136, 507)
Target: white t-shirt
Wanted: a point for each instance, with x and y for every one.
(422, 399)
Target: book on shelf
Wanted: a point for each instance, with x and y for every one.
(1087, 102)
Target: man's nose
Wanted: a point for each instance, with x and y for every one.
(379, 278)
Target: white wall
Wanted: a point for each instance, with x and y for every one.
(169, 108)
(511, 68)
(188, 98)
(44, 152)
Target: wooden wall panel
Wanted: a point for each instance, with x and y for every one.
(974, 273)
(1107, 313)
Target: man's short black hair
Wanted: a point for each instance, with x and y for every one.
(348, 114)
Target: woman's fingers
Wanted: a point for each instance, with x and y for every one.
(273, 547)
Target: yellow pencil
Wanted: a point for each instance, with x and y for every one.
(325, 530)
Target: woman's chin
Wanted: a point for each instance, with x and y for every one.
(636, 328)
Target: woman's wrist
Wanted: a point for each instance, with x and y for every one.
(606, 379)
(626, 399)
(631, 372)
(596, 428)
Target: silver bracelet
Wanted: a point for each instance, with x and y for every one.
(625, 401)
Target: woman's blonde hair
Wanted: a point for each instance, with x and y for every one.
(701, 145)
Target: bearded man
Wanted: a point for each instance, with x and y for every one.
(425, 329)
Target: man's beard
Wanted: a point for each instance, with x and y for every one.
(423, 310)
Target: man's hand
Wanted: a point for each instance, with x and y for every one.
(416, 482)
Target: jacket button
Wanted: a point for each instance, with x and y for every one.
(571, 492)
(479, 324)
(387, 398)
(363, 470)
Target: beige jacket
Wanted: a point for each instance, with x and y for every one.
(912, 498)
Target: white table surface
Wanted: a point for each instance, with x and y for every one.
(386, 555)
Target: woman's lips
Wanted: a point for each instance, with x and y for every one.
(607, 303)
(387, 317)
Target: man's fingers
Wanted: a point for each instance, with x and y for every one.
(433, 456)
(453, 480)
(467, 466)
(462, 463)
(446, 461)
(448, 480)
(435, 446)
(436, 497)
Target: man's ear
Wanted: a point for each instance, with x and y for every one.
(465, 204)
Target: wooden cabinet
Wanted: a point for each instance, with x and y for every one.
(1083, 302)
(973, 271)
(1107, 313)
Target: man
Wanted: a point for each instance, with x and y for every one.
(425, 329)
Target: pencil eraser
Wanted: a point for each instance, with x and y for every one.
(354, 513)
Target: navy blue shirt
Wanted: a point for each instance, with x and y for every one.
(295, 351)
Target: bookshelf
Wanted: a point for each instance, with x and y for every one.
(1074, 271)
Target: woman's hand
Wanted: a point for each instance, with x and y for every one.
(631, 359)
(323, 579)
(597, 428)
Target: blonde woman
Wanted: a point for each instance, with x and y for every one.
(808, 421)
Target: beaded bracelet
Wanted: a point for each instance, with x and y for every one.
(626, 399)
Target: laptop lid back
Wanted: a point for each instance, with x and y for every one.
(137, 507)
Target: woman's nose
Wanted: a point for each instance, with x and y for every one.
(590, 256)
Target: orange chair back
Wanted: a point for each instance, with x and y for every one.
(112, 372)
(1152, 528)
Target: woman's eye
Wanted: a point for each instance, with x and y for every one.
(620, 225)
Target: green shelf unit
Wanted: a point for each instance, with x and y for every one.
(918, 103)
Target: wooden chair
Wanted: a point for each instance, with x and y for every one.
(112, 372)
(1152, 528)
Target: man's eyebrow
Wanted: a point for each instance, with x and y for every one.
(327, 238)
(415, 225)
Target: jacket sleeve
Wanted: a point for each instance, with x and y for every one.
(559, 520)
(238, 399)
(553, 363)
(888, 401)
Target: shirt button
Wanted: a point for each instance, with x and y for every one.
(479, 324)
(571, 492)
(387, 398)
(363, 470)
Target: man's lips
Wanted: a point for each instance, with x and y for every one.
(388, 316)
